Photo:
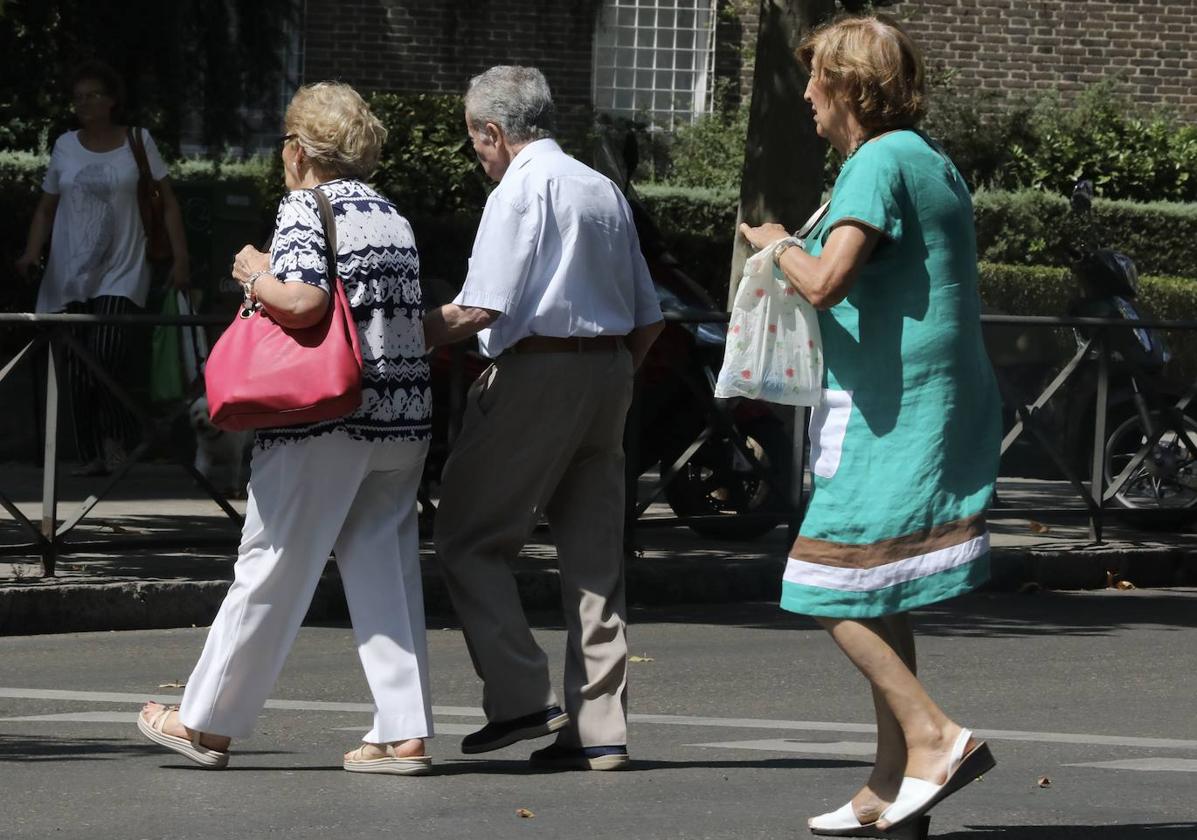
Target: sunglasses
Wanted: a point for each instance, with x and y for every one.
(286, 138)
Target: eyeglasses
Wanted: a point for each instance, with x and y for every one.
(286, 138)
(89, 96)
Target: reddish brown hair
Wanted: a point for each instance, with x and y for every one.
(873, 64)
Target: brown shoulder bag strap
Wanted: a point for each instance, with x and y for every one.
(138, 148)
(329, 221)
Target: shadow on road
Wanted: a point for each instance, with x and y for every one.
(980, 615)
(52, 748)
(464, 767)
(1130, 831)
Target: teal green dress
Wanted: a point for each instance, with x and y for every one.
(905, 445)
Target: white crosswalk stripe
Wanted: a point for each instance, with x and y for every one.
(792, 745)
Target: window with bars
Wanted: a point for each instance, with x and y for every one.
(655, 58)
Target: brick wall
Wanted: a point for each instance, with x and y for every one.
(1020, 46)
(1003, 46)
(437, 45)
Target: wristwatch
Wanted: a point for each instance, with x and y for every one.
(780, 249)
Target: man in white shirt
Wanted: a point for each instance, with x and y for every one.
(561, 299)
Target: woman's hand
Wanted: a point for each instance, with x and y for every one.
(180, 275)
(763, 235)
(249, 260)
(25, 265)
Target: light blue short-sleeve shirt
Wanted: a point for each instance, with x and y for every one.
(557, 254)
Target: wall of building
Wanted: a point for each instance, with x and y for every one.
(1020, 46)
(437, 45)
(1000, 46)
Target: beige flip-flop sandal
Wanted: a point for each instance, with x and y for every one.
(189, 748)
(417, 765)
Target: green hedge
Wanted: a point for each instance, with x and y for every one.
(1034, 227)
(1028, 227)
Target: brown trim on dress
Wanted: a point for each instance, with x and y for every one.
(884, 552)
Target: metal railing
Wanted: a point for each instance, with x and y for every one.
(56, 338)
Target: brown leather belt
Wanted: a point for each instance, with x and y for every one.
(576, 344)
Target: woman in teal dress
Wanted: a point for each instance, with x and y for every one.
(904, 447)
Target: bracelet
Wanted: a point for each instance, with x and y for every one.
(248, 285)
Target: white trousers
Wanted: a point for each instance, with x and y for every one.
(306, 499)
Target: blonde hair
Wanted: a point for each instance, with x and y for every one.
(873, 64)
(333, 124)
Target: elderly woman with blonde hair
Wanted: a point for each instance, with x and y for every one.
(904, 447)
(346, 485)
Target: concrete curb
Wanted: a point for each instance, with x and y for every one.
(137, 605)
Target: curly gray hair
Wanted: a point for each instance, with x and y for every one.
(517, 99)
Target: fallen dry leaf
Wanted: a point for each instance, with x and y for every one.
(175, 684)
(1038, 527)
(640, 659)
(524, 813)
(1044, 782)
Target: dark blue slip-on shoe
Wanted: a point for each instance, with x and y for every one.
(502, 733)
(557, 757)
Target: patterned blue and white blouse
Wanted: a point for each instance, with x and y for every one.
(378, 263)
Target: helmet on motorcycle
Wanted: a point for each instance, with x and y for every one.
(1109, 272)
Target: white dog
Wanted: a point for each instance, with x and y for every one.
(219, 455)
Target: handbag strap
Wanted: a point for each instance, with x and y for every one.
(814, 219)
(329, 221)
(138, 149)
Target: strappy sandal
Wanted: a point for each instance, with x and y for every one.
(416, 765)
(189, 748)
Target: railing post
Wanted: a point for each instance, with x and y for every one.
(50, 464)
(1097, 479)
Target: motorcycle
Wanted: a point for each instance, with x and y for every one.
(1150, 435)
(704, 450)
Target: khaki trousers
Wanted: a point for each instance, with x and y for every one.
(543, 434)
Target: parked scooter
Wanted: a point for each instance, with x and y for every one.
(674, 403)
(1141, 399)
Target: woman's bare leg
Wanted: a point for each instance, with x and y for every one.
(927, 732)
(890, 763)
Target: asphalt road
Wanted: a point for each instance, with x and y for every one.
(745, 721)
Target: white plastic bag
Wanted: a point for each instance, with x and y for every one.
(774, 351)
(193, 342)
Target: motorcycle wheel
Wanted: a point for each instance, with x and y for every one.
(1167, 478)
(712, 483)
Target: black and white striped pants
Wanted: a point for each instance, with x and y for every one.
(98, 414)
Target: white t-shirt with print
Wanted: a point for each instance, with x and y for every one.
(98, 243)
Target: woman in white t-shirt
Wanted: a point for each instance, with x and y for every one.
(97, 263)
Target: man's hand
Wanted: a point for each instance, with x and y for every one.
(450, 323)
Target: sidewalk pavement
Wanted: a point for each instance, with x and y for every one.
(120, 584)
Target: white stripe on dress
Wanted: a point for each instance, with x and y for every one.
(805, 573)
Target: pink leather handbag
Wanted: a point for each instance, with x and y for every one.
(260, 374)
